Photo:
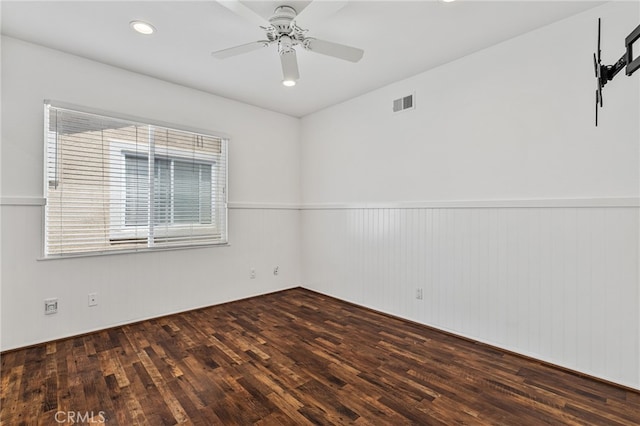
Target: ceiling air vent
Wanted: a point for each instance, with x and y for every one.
(403, 103)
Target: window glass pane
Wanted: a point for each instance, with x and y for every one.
(205, 193)
(186, 186)
(192, 192)
(162, 192)
(137, 191)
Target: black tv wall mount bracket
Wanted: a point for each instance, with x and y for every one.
(606, 73)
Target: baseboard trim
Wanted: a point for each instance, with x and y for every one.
(395, 317)
(478, 342)
(137, 321)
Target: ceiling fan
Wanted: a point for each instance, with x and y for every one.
(282, 30)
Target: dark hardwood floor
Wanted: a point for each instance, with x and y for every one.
(294, 357)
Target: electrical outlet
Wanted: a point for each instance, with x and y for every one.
(50, 306)
(419, 293)
(252, 273)
(93, 299)
(276, 270)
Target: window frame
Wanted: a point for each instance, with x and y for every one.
(119, 230)
(174, 170)
(120, 148)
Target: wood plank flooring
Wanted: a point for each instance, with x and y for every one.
(294, 358)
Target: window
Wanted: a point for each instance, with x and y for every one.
(114, 184)
(182, 191)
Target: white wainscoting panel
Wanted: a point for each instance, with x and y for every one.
(559, 284)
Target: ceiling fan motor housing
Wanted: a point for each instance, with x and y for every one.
(281, 19)
(285, 44)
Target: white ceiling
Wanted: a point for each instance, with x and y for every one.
(400, 39)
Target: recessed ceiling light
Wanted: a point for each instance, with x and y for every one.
(142, 27)
(289, 83)
(447, 1)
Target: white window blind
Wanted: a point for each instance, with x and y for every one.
(114, 184)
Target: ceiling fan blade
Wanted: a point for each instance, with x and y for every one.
(317, 10)
(289, 63)
(239, 50)
(336, 50)
(241, 10)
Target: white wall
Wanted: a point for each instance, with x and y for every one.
(264, 171)
(496, 196)
(512, 121)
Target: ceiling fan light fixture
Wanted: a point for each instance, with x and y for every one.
(289, 63)
(142, 27)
